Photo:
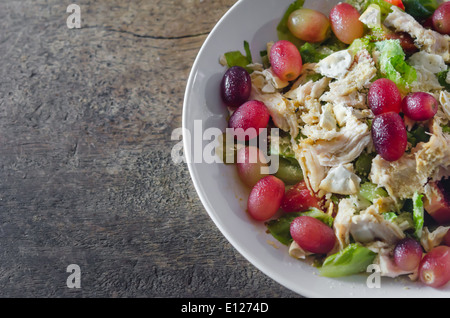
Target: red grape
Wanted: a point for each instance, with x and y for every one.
(299, 198)
(285, 60)
(420, 106)
(437, 204)
(434, 269)
(389, 136)
(407, 254)
(236, 86)
(446, 239)
(384, 96)
(312, 235)
(309, 25)
(441, 18)
(249, 162)
(265, 198)
(345, 23)
(248, 119)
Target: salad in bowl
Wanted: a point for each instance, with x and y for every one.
(355, 171)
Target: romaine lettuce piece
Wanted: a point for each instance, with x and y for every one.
(351, 260)
(392, 64)
(310, 53)
(281, 145)
(417, 134)
(420, 9)
(289, 171)
(363, 164)
(371, 191)
(442, 77)
(418, 214)
(446, 129)
(236, 58)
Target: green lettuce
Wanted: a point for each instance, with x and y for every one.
(420, 9)
(310, 53)
(236, 58)
(418, 214)
(417, 134)
(446, 129)
(353, 259)
(314, 52)
(442, 77)
(392, 64)
(371, 191)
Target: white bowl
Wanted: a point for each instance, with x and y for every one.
(217, 184)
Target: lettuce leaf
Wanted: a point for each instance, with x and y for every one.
(446, 129)
(416, 135)
(420, 9)
(392, 64)
(236, 58)
(371, 191)
(418, 214)
(310, 53)
(351, 260)
(442, 77)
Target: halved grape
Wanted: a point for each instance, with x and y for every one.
(250, 160)
(446, 239)
(437, 203)
(248, 119)
(285, 60)
(299, 198)
(407, 254)
(420, 106)
(345, 22)
(236, 86)
(441, 18)
(312, 235)
(384, 96)
(265, 198)
(434, 269)
(309, 25)
(389, 136)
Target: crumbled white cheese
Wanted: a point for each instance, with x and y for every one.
(335, 65)
(340, 180)
(431, 62)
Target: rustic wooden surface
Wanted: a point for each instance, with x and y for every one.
(86, 175)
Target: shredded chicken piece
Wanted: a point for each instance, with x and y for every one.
(341, 180)
(432, 239)
(281, 110)
(356, 79)
(343, 221)
(313, 171)
(370, 225)
(347, 144)
(296, 251)
(431, 41)
(309, 89)
(409, 174)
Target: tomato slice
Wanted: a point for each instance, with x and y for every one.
(397, 3)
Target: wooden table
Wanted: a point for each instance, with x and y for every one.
(86, 173)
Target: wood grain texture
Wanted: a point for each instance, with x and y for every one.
(86, 175)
